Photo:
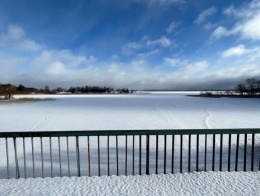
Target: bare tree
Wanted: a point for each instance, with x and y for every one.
(251, 86)
(7, 90)
(241, 88)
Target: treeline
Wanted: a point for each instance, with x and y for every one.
(251, 87)
(8, 89)
(97, 89)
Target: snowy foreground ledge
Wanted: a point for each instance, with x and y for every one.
(196, 183)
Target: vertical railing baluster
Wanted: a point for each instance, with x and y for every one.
(197, 154)
(237, 148)
(189, 152)
(133, 169)
(245, 149)
(147, 154)
(33, 157)
(220, 153)
(108, 166)
(165, 153)
(156, 156)
(42, 157)
(253, 152)
(98, 155)
(126, 155)
(78, 156)
(181, 136)
(89, 171)
(59, 155)
(7, 158)
(213, 152)
(51, 158)
(117, 166)
(173, 136)
(205, 155)
(68, 155)
(16, 159)
(140, 154)
(24, 156)
(229, 151)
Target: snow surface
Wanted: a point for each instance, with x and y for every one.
(124, 112)
(202, 183)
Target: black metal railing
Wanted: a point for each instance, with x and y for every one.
(129, 152)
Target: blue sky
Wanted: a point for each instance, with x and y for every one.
(139, 44)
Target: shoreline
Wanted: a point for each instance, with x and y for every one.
(23, 100)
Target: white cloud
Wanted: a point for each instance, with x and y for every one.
(162, 41)
(250, 29)
(114, 57)
(14, 32)
(209, 26)
(220, 32)
(172, 26)
(144, 55)
(65, 68)
(235, 51)
(146, 47)
(29, 45)
(130, 48)
(15, 40)
(195, 67)
(247, 22)
(230, 11)
(172, 61)
(206, 13)
(47, 58)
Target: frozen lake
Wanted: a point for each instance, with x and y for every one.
(133, 111)
(123, 112)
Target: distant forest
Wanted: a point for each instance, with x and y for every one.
(8, 89)
(250, 88)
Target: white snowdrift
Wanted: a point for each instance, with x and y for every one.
(204, 183)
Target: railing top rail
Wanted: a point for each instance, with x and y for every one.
(127, 132)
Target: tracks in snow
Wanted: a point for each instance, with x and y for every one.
(208, 116)
(45, 120)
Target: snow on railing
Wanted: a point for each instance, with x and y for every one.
(128, 152)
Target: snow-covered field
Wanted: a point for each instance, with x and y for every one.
(210, 183)
(122, 112)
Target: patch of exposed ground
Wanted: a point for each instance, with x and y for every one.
(23, 100)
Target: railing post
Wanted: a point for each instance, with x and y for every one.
(213, 152)
(7, 159)
(147, 154)
(117, 164)
(237, 149)
(205, 154)
(229, 151)
(173, 136)
(42, 157)
(253, 152)
(78, 155)
(68, 155)
(133, 166)
(24, 157)
(140, 154)
(156, 156)
(181, 145)
(245, 149)
(165, 154)
(16, 159)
